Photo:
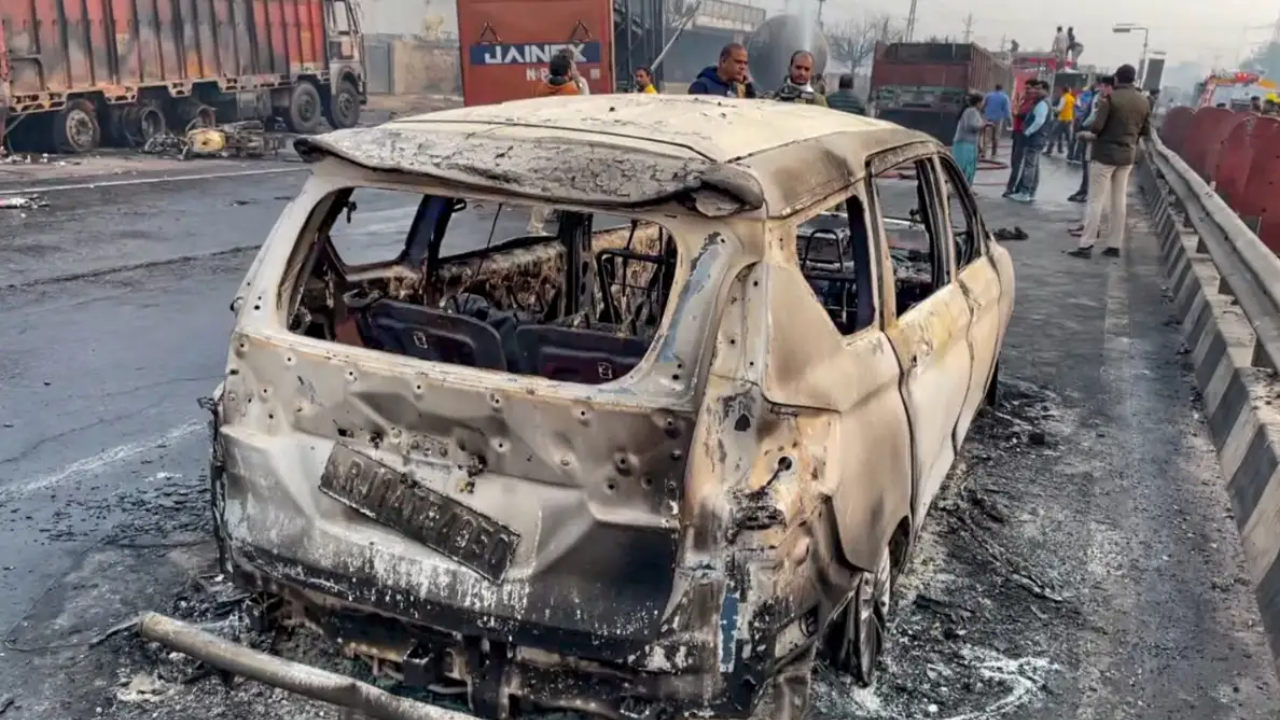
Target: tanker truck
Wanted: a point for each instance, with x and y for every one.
(771, 45)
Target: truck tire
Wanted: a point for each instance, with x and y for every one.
(194, 114)
(304, 111)
(343, 110)
(131, 126)
(76, 128)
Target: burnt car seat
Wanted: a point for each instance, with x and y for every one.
(435, 335)
(584, 356)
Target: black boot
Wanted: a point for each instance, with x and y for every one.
(1084, 252)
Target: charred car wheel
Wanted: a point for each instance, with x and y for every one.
(856, 635)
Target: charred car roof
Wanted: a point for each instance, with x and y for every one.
(629, 150)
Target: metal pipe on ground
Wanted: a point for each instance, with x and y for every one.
(285, 674)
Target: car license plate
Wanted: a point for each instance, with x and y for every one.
(432, 518)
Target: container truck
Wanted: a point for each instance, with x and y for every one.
(923, 86)
(77, 74)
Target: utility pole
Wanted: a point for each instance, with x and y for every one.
(911, 21)
(968, 28)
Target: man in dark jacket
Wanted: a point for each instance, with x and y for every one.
(726, 79)
(1119, 122)
(844, 99)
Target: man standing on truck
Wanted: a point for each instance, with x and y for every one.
(1035, 133)
(1121, 120)
(728, 78)
(1061, 44)
(997, 110)
(798, 87)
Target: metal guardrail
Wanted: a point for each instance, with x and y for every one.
(1250, 271)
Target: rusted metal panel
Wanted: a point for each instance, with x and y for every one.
(60, 47)
(506, 45)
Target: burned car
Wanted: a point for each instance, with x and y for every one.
(596, 404)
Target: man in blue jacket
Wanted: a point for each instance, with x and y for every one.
(997, 110)
(728, 78)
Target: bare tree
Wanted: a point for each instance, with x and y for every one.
(854, 41)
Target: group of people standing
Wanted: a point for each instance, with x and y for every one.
(731, 77)
(1098, 129)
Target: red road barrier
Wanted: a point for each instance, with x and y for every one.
(1204, 137)
(1216, 143)
(1261, 198)
(1240, 152)
(1231, 173)
(1176, 125)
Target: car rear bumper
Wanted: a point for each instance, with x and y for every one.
(644, 634)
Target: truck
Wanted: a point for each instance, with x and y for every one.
(924, 85)
(505, 45)
(79, 74)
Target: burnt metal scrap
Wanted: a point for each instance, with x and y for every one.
(305, 680)
(23, 202)
(240, 139)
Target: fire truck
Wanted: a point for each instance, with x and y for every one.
(1233, 88)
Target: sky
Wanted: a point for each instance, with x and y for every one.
(1214, 33)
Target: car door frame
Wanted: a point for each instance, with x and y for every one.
(811, 363)
(911, 334)
(980, 282)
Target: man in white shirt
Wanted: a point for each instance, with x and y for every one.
(1061, 44)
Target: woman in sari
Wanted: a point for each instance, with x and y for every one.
(964, 147)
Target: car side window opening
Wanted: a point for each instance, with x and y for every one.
(834, 253)
(966, 230)
(906, 199)
(578, 298)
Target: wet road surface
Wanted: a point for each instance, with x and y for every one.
(1081, 563)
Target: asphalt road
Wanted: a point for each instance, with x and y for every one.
(1081, 563)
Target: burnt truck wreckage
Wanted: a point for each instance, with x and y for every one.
(651, 463)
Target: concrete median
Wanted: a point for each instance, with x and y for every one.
(1241, 395)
